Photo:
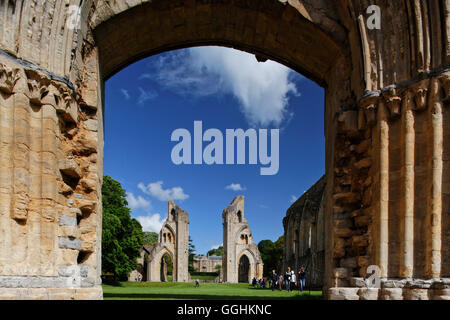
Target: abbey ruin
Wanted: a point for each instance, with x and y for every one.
(241, 261)
(387, 130)
(174, 240)
(304, 236)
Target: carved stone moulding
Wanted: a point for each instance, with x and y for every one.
(393, 101)
(37, 86)
(42, 90)
(8, 78)
(444, 80)
(368, 105)
(420, 98)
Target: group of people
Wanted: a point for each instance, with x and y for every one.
(289, 280)
(261, 283)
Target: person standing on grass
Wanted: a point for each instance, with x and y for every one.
(273, 279)
(293, 280)
(197, 283)
(302, 278)
(287, 279)
(280, 281)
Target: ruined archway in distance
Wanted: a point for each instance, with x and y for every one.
(244, 269)
(387, 121)
(166, 262)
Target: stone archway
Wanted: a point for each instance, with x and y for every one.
(156, 265)
(248, 266)
(173, 241)
(164, 269)
(244, 269)
(387, 124)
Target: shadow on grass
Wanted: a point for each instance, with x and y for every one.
(182, 296)
(112, 283)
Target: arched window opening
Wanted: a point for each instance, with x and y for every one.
(239, 215)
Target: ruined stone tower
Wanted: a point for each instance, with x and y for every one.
(173, 240)
(241, 260)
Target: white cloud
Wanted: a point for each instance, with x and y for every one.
(137, 203)
(235, 187)
(125, 93)
(263, 206)
(293, 198)
(144, 95)
(261, 89)
(151, 223)
(156, 190)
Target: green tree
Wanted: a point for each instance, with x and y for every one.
(264, 247)
(169, 263)
(277, 252)
(122, 236)
(271, 254)
(150, 237)
(216, 252)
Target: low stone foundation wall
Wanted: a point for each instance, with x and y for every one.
(395, 289)
(95, 293)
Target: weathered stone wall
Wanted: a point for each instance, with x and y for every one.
(237, 242)
(387, 195)
(304, 235)
(398, 221)
(141, 270)
(50, 218)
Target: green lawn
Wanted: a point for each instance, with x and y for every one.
(203, 277)
(206, 291)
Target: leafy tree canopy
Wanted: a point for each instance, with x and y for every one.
(271, 254)
(122, 236)
(150, 237)
(216, 252)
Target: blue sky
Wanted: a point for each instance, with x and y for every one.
(225, 89)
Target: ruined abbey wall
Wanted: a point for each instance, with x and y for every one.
(304, 235)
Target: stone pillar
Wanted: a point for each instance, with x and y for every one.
(383, 220)
(407, 245)
(434, 218)
(181, 251)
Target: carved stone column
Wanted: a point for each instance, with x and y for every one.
(409, 187)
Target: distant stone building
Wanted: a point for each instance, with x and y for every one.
(173, 240)
(304, 243)
(207, 263)
(241, 260)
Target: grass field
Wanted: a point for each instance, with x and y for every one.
(188, 291)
